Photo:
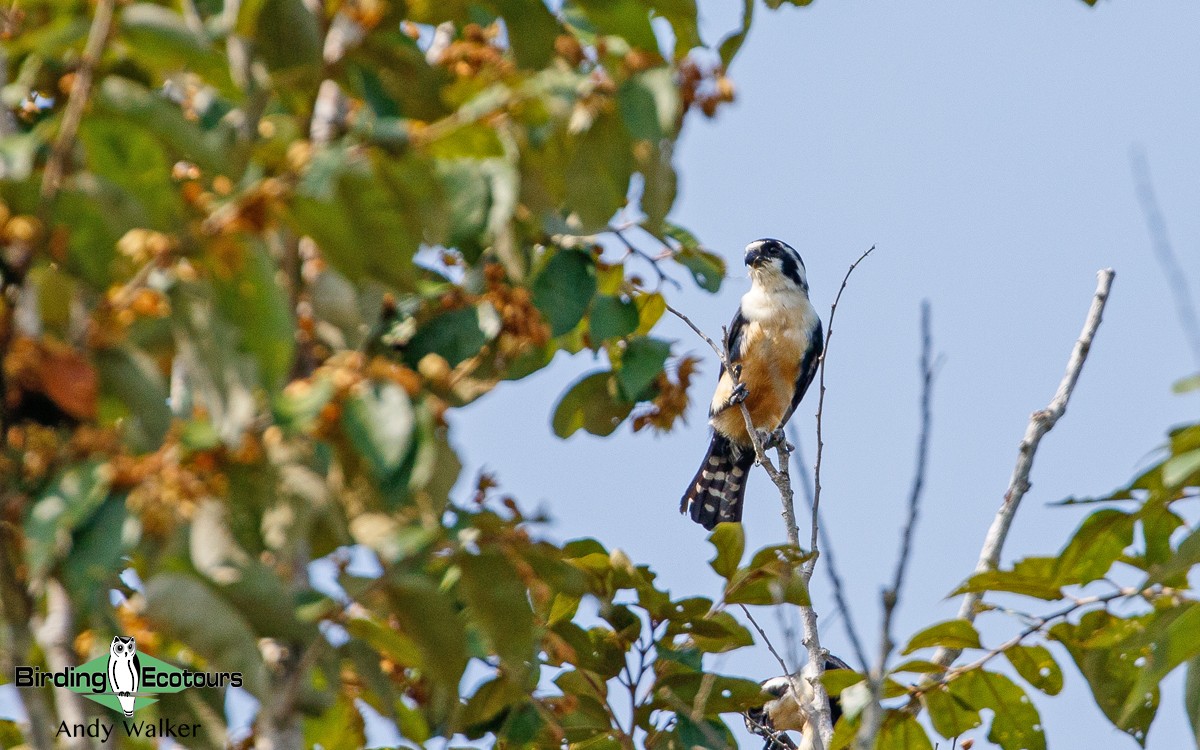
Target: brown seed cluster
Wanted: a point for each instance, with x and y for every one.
(522, 325)
(476, 54)
(707, 89)
(672, 399)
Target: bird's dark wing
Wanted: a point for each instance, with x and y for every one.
(835, 706)
(808, 370)
(733, 337)
(733, 343)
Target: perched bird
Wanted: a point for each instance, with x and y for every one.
(772, 345)
(784, 713)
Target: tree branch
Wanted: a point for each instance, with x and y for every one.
(873, 712)
(835, 577)
(81, 88)
(1040, 423)
(1185, 309)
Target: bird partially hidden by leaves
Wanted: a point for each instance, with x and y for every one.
(788, 709)
(772, 345)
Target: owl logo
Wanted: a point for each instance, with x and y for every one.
(124, 671)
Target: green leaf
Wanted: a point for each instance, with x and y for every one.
(592, 403)
(66, 505)
(1037, 667)
(499, 602)
(641, 363)
(564, 289)
(1181, 469)
(287, 36)
(379, 420)
(1191, 697)
(338, 728)
(134, 106)
(1094, 547)
(1172, 638)
(345, 197)
(388, 642)
(1016, 724)
(628, 19)
(732, 43)
(128, 377)
(649, 105)
(455, 335)
(707, 268)
(221, 635)
(1033, 576)
(1096, 644)
(162, 39)
(729, 539)
(660, 186)
(950, 715)
(426, 616)
(1184, 558)
(1187, 385)
(532, 29)
(949, 634)
(770, 578)
(253, 301)
(683, 18)
(901, 731)
(650, 310)
(97, 555)
(598, 171)
(611, 317)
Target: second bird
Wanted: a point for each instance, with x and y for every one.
(773, 344)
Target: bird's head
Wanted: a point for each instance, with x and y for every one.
(775, 265)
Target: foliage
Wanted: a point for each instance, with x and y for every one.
(1127, 617)
(239, 295)
(284, 242)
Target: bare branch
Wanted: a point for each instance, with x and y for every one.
(808, 616)
(1037, 624)
(1040, 423)
(81, 88)
(835, 577)
(1185, 309)
(873, 712)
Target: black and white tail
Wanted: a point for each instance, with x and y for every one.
(716, 493)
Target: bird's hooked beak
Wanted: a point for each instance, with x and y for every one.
(754, 256)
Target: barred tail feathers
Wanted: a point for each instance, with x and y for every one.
(716, 492)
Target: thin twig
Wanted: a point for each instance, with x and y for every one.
(1036, 625)
(816, 503)
(873, 711)
(1185, 309)
(827, 554)
(81, 88)
(1040, 423)
(635, 250)
(808, 616)
(793, 679)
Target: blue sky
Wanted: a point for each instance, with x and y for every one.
(984, 148)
